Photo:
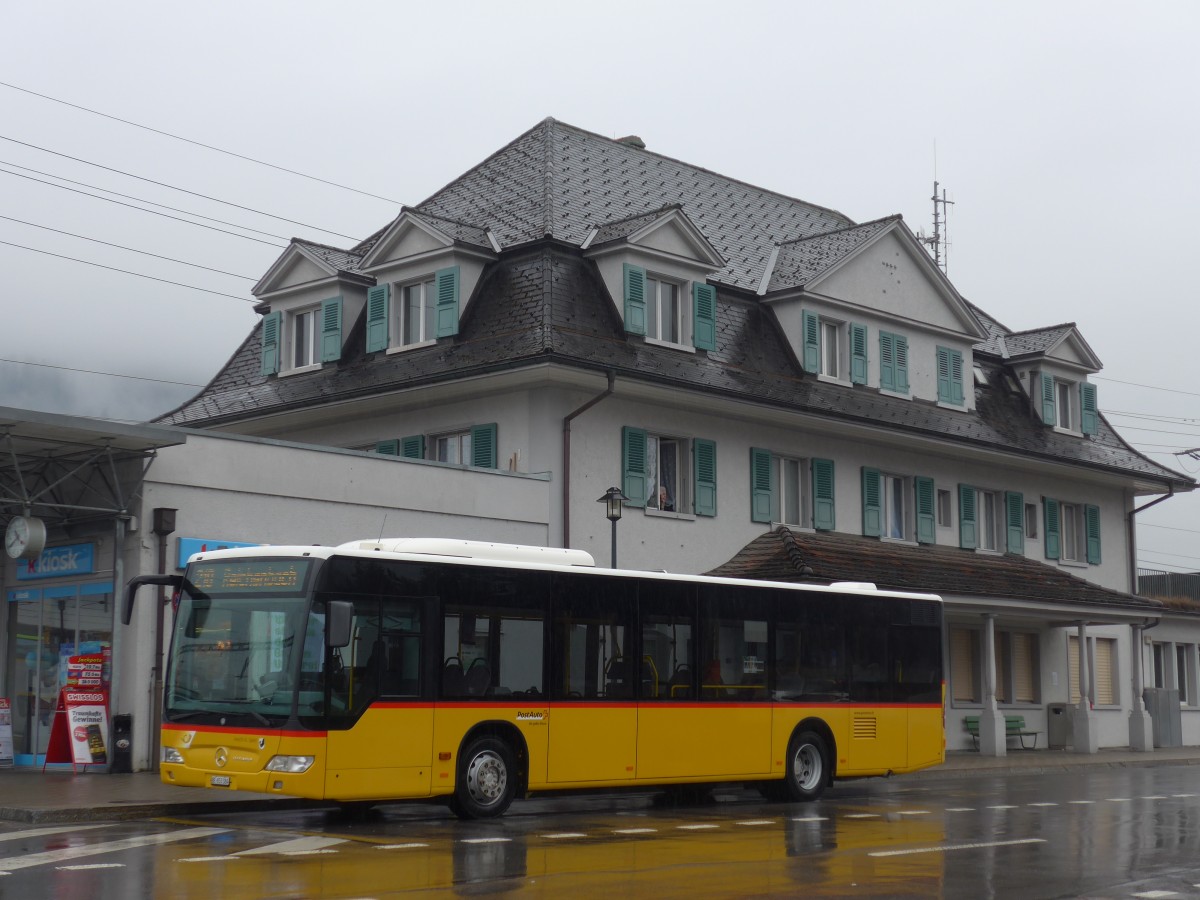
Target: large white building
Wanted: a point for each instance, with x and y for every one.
(577, 313)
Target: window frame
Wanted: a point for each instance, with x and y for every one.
(428, 312)
(464, 448)
(944, 498)
(682, 497)
(311, 342)
(654, 310)
(781, 463)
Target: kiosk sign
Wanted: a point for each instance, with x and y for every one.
(79, 734)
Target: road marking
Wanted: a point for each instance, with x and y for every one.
(756, 822)
(961, 809)
(42, 832)
(564, 835)
(413, 846)
(703, 827)
(913, 812)
(1081, 802)
(90, 866)
(948, 848)
(56, 856)
(1117, 799)
(1043, 804)
(1181, 796)
(294, 847)
(1000, 807)
(490, 840)
(862, 816)
(207, 859)
(1155, 894)
(1155, 797)
(812, 819)
(635, 831)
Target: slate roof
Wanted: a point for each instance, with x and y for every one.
(560, 181)
(623, 228)
(335, 258)
(1036, 340)
(804, 259)
(780, 555)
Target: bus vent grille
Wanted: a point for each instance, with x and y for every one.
(865, 727)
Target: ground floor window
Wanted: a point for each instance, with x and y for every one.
(1102, 659)
(1018, 677)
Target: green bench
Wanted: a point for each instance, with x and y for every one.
(1014, 727)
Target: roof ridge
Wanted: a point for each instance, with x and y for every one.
(894, 217)
(641, 215)
(1044, 328)
(309, 243)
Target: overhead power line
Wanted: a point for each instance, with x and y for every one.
(1153, 387)
(177, 137)
(63, 187)
(127, 272)
(130, 249)
(175, 188)
(22, 362)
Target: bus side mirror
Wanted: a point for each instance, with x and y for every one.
(339, 617)
(175, 581)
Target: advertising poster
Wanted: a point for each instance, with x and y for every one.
(6, 738)
(79, 734)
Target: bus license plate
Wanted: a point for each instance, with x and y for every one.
(220, 781)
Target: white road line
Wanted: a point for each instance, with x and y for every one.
(1155, 797)
(1182, 796)
(812, 819)
(1000, 807)
(947, 848)
(635, 830)
(207, 859)
(862, 816)
(411, 846)
(489, 840)
(913, 812)
(756, 822)
(293, 847)
(1043, 804)
(90, 866)
(56, 856)
(703, 827)
(961, 809)
(1081, 802)
(1157, 894)
(564, 835)
(1117, 799)
(42, 832)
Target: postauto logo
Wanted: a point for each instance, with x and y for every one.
(58, 562)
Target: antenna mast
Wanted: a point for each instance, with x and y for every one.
(939, 243)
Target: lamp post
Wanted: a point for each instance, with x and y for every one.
(612, 500)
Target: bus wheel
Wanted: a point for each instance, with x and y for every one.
(487, 779)
(807, 767)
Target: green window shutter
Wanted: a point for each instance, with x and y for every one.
(378, 301)
(956, 378)
(950, 376)
(968, 534)
(271, 325)
(1052, 528)
(900, 345)
(483, 446)
(445, 289)
(1089, 422)
(1014, 515)
(926, 510)
(811, 357)
(887, 361)
(872, 508)
(824, 518)
(704, 316)
(762, 485)
(413, 446)
(1049, 415)
(858, 354)
(1092, 519)
(633, 465)
(704, 464)
(635, 302)
(388, 448)
(331, 329)
(943, 375)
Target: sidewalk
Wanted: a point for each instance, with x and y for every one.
(31, 796)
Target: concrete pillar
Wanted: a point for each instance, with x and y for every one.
(992, 740)
(1141, 732)
(1085, 729)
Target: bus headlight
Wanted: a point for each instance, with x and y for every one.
(171, 755)
(293, 765)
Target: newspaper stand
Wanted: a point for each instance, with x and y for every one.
(79, 730)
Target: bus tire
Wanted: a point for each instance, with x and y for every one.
(487, 779)
(807, 767)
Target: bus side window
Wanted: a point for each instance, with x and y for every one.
(668, 642)
(593, 656)
(734, 643)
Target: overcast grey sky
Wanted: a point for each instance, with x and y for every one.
(1065, 133)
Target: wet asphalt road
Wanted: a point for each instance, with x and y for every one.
(1117, 833)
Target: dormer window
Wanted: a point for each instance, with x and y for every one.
(664, 312)
(301, 339)
(416, 313)
(1069, 405)
(406, 314)
(305, 338)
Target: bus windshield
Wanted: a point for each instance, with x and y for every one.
(244, 640)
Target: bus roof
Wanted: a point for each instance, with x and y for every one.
(518, 556)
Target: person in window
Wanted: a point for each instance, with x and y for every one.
(663, 499)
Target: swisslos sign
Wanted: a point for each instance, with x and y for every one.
(59, 562)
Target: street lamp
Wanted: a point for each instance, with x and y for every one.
(612, 500)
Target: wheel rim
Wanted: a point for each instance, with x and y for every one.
(487, 778)
(808, 767)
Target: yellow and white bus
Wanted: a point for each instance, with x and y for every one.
(473, 672)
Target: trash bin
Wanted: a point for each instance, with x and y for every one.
(122, 743)
(1058, 726)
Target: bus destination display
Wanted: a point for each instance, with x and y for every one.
(249, 577)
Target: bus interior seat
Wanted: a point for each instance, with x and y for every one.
(680, 687)
(478, 679)
(454, 682)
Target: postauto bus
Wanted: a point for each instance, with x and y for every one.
(475, 673)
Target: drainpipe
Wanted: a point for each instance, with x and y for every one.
(1129, 531)
(566, 489)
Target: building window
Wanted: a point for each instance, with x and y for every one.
(1064, 390)
(893, 362)
(886, 505)
(1017, 666)
(943, 508)
(777, 488)
(305, 334)
(1072, 532)
(453, 448)
(827, 349)
(416, 313)
(965, 666)
(788, 498)
(950, 376)
(1103, 669)
(1031, 520)
(988, 509)
(830, 362)
(669, 474)
(664, 311)
(664, 464)
(1184, 673)
(894, 518)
